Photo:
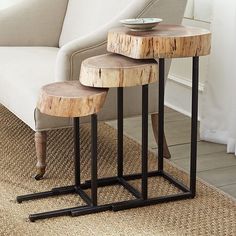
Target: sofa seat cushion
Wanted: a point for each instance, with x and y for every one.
(23, 71)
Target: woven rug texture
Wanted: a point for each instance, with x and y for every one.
(210, 213)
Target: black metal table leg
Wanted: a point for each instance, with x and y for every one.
(161, 112)
(145, 142)
(120, 128)
(94, 185)
(194, 125)
(77, 150)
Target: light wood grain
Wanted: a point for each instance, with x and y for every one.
(165, 41)
(70, 99)
(112, 70)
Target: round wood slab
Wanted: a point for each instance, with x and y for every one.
(165, 41)
(112, 70)
(70, 99)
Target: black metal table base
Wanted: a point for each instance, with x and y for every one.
(141, 197)
(89, 208)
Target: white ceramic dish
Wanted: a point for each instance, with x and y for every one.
(141, 24)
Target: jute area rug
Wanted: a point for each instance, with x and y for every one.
(210, 213)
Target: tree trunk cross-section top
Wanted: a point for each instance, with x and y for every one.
(165, 41)
(112, 70)
(70, 99)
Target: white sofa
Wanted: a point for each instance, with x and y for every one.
(43, 41)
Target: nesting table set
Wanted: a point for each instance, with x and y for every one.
(131, 62)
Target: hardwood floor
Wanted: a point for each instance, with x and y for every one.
(215, 166)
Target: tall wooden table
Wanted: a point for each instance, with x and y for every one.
(166, 41)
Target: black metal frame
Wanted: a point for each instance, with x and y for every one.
(121, 179)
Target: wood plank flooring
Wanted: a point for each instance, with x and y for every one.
(215, 166)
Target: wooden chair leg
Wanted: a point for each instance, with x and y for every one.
(166, 151)
(41, 146)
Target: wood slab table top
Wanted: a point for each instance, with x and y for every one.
(164, 41)
(113, 71)
(70, 99)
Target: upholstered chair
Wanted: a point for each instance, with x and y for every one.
(43, 41)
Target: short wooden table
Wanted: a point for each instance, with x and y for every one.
(71, 99)
(117, 71)
(166, 41)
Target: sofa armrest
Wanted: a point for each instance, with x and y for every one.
(32, 23)
(94, 43)
(72, 54)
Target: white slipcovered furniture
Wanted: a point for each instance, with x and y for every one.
(43, 41)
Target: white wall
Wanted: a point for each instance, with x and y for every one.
(178, 87)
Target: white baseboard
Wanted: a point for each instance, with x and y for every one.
(178, 94)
